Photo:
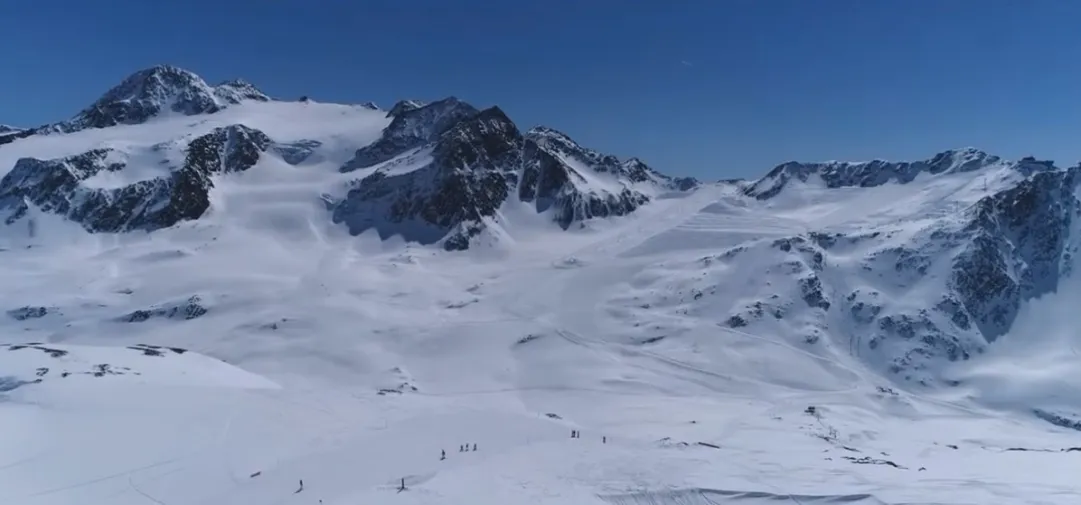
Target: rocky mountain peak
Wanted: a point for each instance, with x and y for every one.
(541, 133)
(157, 90)
(410, 129)
(238, 90)
(8, 129)
(404, 106)
(489, 127)
(960, 160)
(445, 197)
(560, 144)
(59, 186)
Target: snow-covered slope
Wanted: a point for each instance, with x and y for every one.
(210, 305)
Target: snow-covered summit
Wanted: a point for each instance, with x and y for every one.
(235, 91)
(404, 106)
(159, 90)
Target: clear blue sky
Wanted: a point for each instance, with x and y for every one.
(711, 88)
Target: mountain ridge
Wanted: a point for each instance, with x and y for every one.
(451, 129)
(836, 174)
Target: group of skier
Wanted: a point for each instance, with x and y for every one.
(578, 434)
(461, 448)
(443, 456)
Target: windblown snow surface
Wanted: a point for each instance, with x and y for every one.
(224, 360)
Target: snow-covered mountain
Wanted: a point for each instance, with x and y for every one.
(211, 295)
(438, 172)
(911, 283)
(160, 90)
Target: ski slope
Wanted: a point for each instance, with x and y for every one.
(351, 362)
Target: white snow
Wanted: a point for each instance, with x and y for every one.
(351, 362)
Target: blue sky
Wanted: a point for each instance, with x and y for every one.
(711, 88)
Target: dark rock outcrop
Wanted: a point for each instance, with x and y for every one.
(1018, 240)
(295, 153)
(191, 308)
(441, 169)
(410, 129)
(404, 106)
(55, 186)
(467, 179)
(10, 137)
(549, 181)
(28, 312)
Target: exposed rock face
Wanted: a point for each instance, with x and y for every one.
(238, 90)
(404, 106)
(157, 90)
(233, 148)
(12, 136)
(410, 129)
(191, 308)
(466, 181)
(442, 169)
(1018, 241)
(555, 173)
(28, 312)
(56, 186)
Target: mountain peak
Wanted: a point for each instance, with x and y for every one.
(154, 82)
(237, 90)
(541, 132)
(404, 106)
(411, 128)
(156, 90)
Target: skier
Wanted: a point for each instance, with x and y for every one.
(301, 488)
(442, 455)
(604, 440)
(474, 447)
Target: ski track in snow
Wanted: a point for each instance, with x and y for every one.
(351, 362)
